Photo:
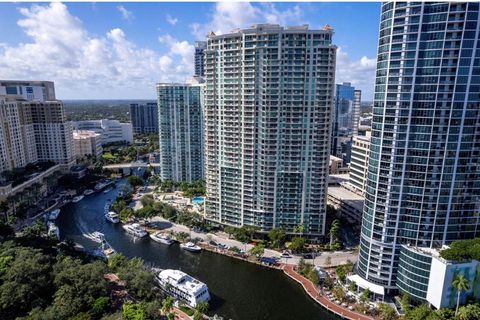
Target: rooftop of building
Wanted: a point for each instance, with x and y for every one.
(346, 196)
(267, 27)
(24, 82)
(85, 134)
(338, 178)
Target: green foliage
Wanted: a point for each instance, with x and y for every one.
(187, 310)
(133, 311)
(297, 244)
(202, 307)
(192, 189)
(462, 250)
(147, 200)
(335, 242)
(277, 237)
(308, 271)
(387, 312)
(229, 230)
(343, 270)
(469, 312)
(244, 234)
(422, 312)
(100, 306)
(167, 304)
(405, 302)
(139, 280)
(135, 181)
(181, 236)
(352, 286)
(258, 250)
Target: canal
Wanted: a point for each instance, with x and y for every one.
(240, 290)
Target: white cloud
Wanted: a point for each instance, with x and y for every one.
(230, 15)
(127, 15)
(86, 66)
(171, 20)
(361, 73)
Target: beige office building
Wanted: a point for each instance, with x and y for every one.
(87, 143)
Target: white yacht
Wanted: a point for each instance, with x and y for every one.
(182, 287)
(135, 229)
(112, 217)
(54, 214)
(161, 238)
(53, 230)
(77, 198)
(88, 192)
(107, 190)
(190, 246)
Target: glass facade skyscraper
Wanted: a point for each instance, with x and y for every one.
(180, 117)
(346, 115)
(268, 99)
(423, 182)
(144, 117)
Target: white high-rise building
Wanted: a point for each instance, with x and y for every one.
(268, 99)
(180, 118)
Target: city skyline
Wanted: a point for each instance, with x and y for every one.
(126, 54)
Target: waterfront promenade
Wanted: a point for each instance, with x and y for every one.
(316, 295)
(337, 257)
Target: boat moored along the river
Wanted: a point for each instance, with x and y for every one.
(190, 246)
(112, 217)
(183, 287)
(161, 238)
(135, 229)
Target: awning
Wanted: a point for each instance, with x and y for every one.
(364, 284)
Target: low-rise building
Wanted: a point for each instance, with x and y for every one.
(111, 131)
(87, 143)
(427, 277)
(348, 203)
(359, 162)
(336, 166)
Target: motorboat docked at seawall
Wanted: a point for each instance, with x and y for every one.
(53, 215)
(53, 230)
(88, 192)
(99, 186)
(190, 246)
(107, 190)
(135, 229)
(112, 217)
(77, 198)
(161, 238)
(182, 287)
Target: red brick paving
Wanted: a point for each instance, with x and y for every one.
(316, 295)
(179, 314)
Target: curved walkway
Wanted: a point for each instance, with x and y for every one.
(316, 295)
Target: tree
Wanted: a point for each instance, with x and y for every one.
(339, 292)
(422, 312)
(133, 311)
(229, 230)
(258, 250)
(297, 244)
(387, 312)
(313, 276)
(300, 228)
(181, 236)
(405, 302)
(277, 237)
(167, 305)
(334, 229)
(147, 200)
(202, 307)
(139, 280)
(135, 181)
(460, 283)
(100, 306)
(352, 286)
(469, 312)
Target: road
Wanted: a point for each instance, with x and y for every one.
(336, 257)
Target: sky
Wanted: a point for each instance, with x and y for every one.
(121, 50)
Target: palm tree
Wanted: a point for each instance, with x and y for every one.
(334, 230)
(460, 283)
(167, 305)
(202, 307)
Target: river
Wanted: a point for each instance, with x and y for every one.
(239, 290)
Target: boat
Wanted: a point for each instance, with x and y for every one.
(97, 236)
(104, 251)
(161, 238)
(182, 287)
(135, 229)
(53, 230)
(112, 217)
(107, 190)
(190, 246)
(77, 198)
(54, 214)
(88, 192)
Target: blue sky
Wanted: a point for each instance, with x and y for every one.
(120, 50)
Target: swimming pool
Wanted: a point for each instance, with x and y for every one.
(198, 200)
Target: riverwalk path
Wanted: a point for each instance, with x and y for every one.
(336, 258)
(316, 295)
(180, 315)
